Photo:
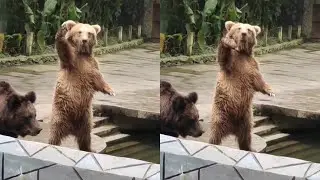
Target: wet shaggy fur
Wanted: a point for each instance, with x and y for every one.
(237, 81)
(178, 113)
(17, 112)
(78, 79)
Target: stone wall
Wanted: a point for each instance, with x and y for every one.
(202, 161)
(29, 160)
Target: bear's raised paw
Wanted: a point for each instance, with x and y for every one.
(108, 90)
(272, 94)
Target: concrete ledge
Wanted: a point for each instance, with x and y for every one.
(130, 119)
(270, 110)
(108, 110)
(47, 58)
(202, 161)
(205, 58)
(39, 161)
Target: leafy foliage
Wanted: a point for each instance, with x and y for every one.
(207, 17)
(43, 17)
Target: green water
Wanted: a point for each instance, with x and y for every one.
(142, 146)
(305, 146)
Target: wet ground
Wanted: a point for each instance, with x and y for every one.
(293, 74)
(133, 74)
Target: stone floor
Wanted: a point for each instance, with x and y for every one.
(293, 74)
(133, 74)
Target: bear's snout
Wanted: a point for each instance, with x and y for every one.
(198, 133)
(38, 130)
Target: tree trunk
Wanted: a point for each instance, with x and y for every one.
(307, 18)
(147, 19)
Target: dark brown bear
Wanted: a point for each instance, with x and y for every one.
(78, 79)
(178, 113)
(239, 78)
(17, 112)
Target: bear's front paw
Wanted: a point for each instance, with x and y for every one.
(108, 90)
(271, 94)
(230, 43)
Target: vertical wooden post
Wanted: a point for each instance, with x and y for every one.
(120, 33)
(139, 31)
(265, 38)
(299, 32)
(290, 32)
(130, 33)
(1, 41)
(280, 34)
(29, 42)
(105, 36)
(190, 39)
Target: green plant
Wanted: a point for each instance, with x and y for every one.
(13, 44)
(105, 12)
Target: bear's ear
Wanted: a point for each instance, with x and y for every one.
(97, 28)
(14, 102)
(4, 85)
(193, 97)
(165, 84)
(228, 25)
(179, 104)
(258, 29)
(69, 24)
(31, 96)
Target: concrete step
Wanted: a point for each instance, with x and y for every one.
(105, 130)
(265, 130)
(137, 149)
(308, 154)
(258, 120)
(99, 121)
(118, 147)
(276, 138)
(280, 145)
(292, 150)
(115, 139)
(298, 150)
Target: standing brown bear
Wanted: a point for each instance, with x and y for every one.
(237, 81)
(178, 114)
(17, 112)
(78, 79)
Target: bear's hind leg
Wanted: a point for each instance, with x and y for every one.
(83, 134)
(244, 133)
(219, 130)
(84, 141)
(58, 131)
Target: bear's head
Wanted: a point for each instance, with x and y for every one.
(187, 115)
(245, 35)
(82, 36)
(18, 114)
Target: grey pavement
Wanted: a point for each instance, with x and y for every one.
(133, 74)
(293, 75)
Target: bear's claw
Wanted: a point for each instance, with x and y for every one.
(112, 93)
(272, 94)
